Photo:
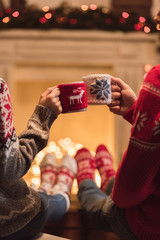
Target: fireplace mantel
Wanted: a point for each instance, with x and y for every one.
(125, 52)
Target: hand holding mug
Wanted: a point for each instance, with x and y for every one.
(73, 97)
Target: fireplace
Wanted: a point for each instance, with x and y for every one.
(31, 61)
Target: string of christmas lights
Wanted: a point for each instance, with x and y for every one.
(66, 17)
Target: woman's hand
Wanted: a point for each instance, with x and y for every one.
(50, 99)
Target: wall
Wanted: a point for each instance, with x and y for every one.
(70, 2)
(107, 3)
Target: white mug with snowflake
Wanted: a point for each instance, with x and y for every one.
(98, 88)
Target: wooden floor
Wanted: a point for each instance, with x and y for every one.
(75, 226)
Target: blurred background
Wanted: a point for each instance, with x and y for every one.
(44, 43)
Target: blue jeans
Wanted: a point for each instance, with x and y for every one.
(52, 208)
(102, 211)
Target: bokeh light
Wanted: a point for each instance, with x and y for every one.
(45, 8)
(35, 170)
(43, 20)
(138, 27)
(48, 15)
(147, 29)
(93, 7)
(142, 19)
(35, 182)
(15, 14)
(147, 67)
(6, 20)
(125, 15)
(84, 7)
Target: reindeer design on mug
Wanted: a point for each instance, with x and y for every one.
(77, 97)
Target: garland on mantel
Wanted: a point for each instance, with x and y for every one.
(63, 17)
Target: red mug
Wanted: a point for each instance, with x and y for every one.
(73, 97)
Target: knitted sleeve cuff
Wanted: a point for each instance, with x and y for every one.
(129, 114)
(43, 116)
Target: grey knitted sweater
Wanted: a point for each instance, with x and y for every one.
(19, 204)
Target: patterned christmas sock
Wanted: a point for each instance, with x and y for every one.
(104, 165)
(66, 173)
(48, 168)
(86, 165)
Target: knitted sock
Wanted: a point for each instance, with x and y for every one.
(66, 173)
(86, 165)
(104, 165)
(48, 168)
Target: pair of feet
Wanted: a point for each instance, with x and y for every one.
(87, 164)
(57, 177)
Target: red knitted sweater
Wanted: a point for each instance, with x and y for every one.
(137, 183)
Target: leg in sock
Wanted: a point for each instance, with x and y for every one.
(66, 174)
(48, 168)
(104, 165)
(86, 165)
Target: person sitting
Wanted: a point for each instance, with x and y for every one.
(131, 208)
(24, 211)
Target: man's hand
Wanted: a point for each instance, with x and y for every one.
(123, 97)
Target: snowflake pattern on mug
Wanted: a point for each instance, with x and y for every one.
(101, 89)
